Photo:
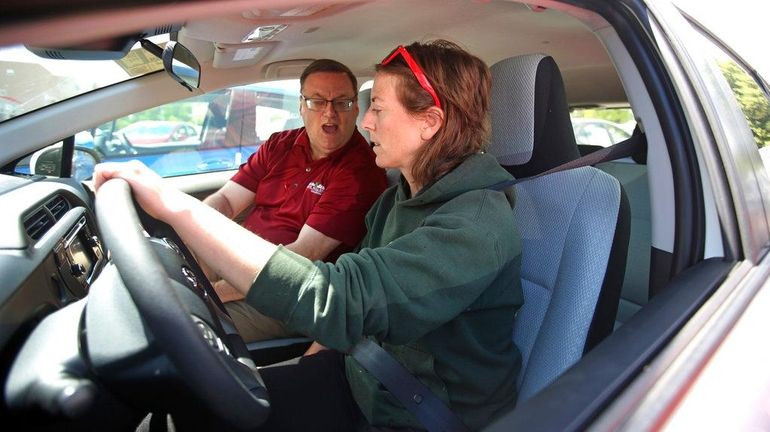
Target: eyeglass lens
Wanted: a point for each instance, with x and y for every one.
(317, 104)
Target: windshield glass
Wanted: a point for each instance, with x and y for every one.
(29, 82)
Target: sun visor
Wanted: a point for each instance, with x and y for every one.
(113, 48)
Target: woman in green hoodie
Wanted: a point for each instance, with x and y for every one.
(435, 281)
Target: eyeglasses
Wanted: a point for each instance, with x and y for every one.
(416, 70)
(319, 104)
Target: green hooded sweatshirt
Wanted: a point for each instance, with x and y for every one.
(435, 282)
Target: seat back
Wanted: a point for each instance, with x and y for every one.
(573, 224)
(635, 293)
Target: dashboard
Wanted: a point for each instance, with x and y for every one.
(76, 351)
(50, 252)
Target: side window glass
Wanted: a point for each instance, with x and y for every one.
(212, 132)
(751, 98)
(602, 126)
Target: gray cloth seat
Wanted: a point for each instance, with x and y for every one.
(574, 223)
(631, 172)
(364, 100)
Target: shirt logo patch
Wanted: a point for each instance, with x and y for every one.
(316, 188)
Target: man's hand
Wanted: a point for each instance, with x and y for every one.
(314, 349)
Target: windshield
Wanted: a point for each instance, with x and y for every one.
(29, 82)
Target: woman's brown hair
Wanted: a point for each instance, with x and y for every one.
(463, 84)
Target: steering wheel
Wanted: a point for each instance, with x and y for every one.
(230, 389)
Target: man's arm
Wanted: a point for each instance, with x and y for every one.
(231, 199)
(313, 244)
(310, 243)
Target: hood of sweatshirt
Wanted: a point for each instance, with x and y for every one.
(480, 171)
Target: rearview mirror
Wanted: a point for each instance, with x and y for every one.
(182, 65)
(178, 61)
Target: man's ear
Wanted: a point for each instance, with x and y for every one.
(433, 119)
(302, 106)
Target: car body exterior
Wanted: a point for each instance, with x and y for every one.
(689, 355)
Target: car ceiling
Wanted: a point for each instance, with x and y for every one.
(357, 33)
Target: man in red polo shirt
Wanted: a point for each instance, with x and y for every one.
(311, 187)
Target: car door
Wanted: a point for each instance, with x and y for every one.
(707, 272)
(726, 104)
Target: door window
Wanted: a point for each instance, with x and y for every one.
(602, 126)
(212, 132)
(749, 91)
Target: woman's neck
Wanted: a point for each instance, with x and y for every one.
(414, 186)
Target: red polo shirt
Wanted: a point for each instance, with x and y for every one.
(332, 194)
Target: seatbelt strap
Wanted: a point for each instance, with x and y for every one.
(429, 410)
(625, 148)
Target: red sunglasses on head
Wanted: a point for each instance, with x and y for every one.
(416, 70)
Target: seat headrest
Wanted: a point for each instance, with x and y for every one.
(364, 100)
(531, 126)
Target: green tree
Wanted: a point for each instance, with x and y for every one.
(752, 100)
(181, 111)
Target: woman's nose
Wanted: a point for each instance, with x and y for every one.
(367, 122)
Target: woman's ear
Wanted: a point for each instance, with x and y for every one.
(433, 119)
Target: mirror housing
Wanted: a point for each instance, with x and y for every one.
(178, 62)
(182, 65)
(48, 162)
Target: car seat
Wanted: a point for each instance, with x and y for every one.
(574, 223)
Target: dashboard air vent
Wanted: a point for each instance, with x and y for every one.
(58, 206)
(38, 223)
(44, 217)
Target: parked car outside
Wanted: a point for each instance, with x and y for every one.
(599, 132)
(80, 352)
(223, 129)
(149, 133)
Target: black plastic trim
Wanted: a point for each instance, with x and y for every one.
(660, 266)
(68, 150)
